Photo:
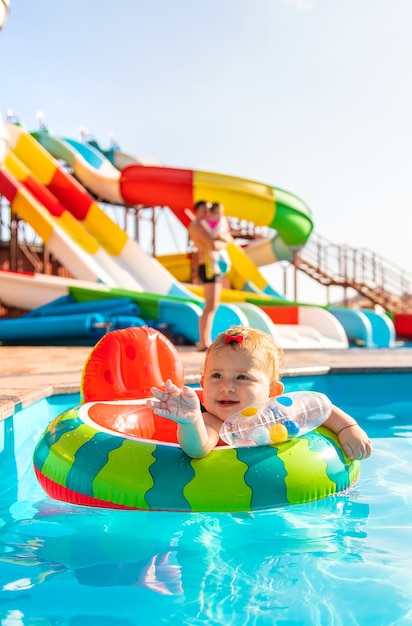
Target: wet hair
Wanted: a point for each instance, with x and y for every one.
(257, 343)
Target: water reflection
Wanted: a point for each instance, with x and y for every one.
(210, 566)
(333, 562)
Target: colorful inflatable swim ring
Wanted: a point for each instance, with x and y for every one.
(113, 451)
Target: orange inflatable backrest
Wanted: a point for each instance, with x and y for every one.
(126, 363)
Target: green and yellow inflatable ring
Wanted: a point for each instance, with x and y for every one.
(113, 451)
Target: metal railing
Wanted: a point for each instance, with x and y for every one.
(358, 268)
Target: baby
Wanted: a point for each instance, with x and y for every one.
(242, 368)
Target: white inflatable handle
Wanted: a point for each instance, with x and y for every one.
(277, 419)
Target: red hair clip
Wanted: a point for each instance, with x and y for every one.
(234, 339)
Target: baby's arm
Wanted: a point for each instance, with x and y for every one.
(183, 407)
(353, 439)
(224, 233)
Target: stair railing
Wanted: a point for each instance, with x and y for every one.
(358, 268)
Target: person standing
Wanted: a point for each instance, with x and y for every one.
(215, 223)
(205, 243)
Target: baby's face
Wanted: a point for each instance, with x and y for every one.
(232, 381)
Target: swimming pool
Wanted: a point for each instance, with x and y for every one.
(344, 560)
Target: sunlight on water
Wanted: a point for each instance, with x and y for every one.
(341, 561)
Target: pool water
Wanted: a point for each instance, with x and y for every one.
(341, 561)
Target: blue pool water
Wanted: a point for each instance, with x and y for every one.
(342, 561)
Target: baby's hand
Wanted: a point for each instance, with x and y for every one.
(180, 405)
(355, 442)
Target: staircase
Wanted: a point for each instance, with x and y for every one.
(360, 269)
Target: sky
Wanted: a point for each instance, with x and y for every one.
(311, 96)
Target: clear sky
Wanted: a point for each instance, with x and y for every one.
(312, 96)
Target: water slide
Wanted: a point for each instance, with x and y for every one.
(86, 240)
(67, 308)
(93, 247)
(159, 185)
(293, 224)
(176, 187)
(244, 199)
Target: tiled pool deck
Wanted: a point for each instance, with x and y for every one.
(28, 374)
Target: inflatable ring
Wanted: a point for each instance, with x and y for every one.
(113, 451)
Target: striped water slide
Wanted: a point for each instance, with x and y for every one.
(176, 189)
(69, 241)
(161, 186)
(273, 207)
(243, 199)
(149, 272)
(144, 272)
(52, 230)
(154, 185)
(265, 206)
(96, 173)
